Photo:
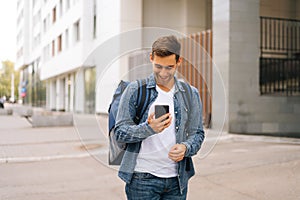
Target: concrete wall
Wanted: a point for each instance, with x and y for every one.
(185, 16)
(280, 8)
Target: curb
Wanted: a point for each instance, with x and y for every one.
(49, 158)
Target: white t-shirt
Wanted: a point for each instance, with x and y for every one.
(153, 156)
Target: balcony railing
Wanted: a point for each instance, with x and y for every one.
(280, 56)
(280, 76)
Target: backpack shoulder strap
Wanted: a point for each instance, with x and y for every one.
(143, 98)
(188, 97)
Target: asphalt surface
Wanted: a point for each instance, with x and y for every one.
(71, 163)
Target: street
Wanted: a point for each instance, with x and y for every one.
(71, 163)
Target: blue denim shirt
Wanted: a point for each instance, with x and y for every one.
(127, 131)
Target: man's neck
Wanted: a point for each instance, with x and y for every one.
(166, 88)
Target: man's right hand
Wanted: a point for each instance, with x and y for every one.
(161, 123)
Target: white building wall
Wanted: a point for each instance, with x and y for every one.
(58, 64)
(68, 59)
(23, 33)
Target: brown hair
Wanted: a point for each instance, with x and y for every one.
(166, 46)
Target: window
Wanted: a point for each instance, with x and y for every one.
(67, 38)
(45, 25)
(54, 15)
(53, 48)
(33, 3)
(36, 40)
(95, 26)
(20, 52)
(60, 8)
(48, 21)
(46, 53)
(37, 18)
(67, 4)
(77, 31)
(95, 19)
(59, 44)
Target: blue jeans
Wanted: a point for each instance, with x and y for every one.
(145, 186)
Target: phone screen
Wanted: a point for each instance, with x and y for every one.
(160, 110)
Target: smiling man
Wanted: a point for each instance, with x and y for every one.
(157, 162)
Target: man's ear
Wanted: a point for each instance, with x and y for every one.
(151, 57)
(179, 61)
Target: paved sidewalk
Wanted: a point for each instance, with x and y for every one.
(228, 167)
(21, 143)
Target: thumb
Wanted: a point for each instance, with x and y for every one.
(173, 148)
(151, 115)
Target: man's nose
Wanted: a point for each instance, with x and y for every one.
(163, 71)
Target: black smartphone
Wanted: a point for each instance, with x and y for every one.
(160, 110)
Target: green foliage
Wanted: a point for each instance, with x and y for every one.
(5, 79)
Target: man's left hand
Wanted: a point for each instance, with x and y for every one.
(177, 152)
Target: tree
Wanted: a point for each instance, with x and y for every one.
(5, 79)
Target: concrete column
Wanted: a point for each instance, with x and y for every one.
(79, 91)
(72, 92)
(244, 63)
(221, 54)
(67, 106)
(48, 94)
(52, 94)
(236, 55)
(60, 94)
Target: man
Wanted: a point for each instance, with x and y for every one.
(1, 103)
(157, 162)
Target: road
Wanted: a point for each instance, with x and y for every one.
(71, 163)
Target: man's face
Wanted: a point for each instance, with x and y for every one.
(164, 69)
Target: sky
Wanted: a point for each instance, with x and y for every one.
(8, 10)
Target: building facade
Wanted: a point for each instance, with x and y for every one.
(78, 50)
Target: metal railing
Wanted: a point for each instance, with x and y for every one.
(280, 56)
(196, 68)
(280, 76)
(279, 36)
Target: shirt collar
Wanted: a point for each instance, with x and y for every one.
(152, 84)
